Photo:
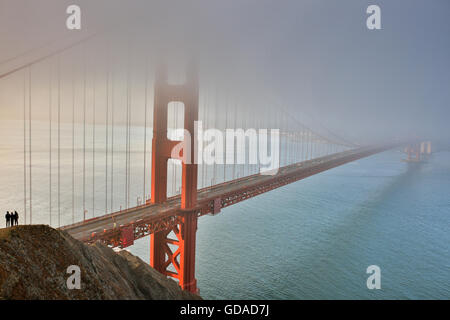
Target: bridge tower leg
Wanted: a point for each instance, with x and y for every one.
(181, 260)
(413, 149)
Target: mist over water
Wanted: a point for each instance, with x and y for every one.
(315, 238)
(312, 239)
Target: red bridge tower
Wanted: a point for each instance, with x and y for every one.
(182, 259)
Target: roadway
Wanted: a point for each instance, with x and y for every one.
(227, 190)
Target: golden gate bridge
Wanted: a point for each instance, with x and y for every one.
(180, 191)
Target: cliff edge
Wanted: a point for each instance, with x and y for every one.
(34, 261)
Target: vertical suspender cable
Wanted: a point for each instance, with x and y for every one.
(29, 144)
(300, 147)
(225, 140)
(59, 140)
(126, 134)
(258, 151)
(73, 145)
(205, 118)
(145, 130)
(129, 144)
(297, 147)
(129, 147)
(50, 147)
(106, 136)
(93, 142)
(278, 124)
(24, 147)
(295, 133)
(84, 135)
(201, 117)
(286, 138)
(302, 144)
(294, 146)
(127, 125)
(320, 146)
(112, 143)
(306, 144)
(245, 161)
(257, 128)
(309, 145)
(314, 146)
(234, 153)
(290, 141)
(216, 108)
(282, 125)
(281, 138)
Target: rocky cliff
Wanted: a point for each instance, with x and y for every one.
(34, 262)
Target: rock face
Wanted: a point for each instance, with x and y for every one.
(34, 262)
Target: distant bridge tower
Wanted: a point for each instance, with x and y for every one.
(182, 259)
(413, 151)
(425, 147)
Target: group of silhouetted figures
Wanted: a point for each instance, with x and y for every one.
(12, 219)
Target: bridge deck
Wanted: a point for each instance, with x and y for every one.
(154, 217)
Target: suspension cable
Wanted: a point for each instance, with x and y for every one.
(225, 139)
(234, 127)
(107, 134)
(59, 139)
(50, 95)
(129, 146)
(24, 146)
(216, 108)
(205, 118)
(84, 133)
(93, 141)
(127, 129)
(73, 144)
(112, 143)
(29, 143)
(129, 143)
(145, 129)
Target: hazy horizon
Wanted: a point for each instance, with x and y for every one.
(315, 59)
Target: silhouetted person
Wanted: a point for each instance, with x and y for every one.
(16, 218)
(8, 218)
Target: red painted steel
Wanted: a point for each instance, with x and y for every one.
(162, 258)
(217, 206)
(127, 236)
(162, 217)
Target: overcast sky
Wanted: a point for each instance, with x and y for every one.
(317, 58)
